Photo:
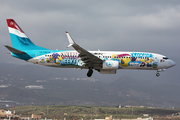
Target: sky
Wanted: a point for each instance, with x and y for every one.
(116, 25)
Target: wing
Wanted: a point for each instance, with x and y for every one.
(88, 58)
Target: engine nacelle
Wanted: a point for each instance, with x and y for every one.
(110, 64)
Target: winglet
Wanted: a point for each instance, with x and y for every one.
(71, 41)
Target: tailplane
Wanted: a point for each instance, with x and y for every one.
(19, 39)
(13, 50)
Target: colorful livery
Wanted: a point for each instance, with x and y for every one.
(105, 62)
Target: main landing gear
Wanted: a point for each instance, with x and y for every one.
(157, 74)
(90, 72)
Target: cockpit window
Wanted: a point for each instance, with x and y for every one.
(165, 58)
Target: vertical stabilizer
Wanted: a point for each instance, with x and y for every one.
(19, 39)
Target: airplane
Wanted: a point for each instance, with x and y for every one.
(105, 62)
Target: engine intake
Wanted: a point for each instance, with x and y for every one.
(110, 64)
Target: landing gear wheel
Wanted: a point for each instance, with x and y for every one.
(90, 72)
(157, 74)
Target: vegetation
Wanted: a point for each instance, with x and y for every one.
(88, 112)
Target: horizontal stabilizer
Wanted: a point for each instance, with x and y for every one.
(13, 50)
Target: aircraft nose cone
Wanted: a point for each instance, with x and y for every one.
(172, 63)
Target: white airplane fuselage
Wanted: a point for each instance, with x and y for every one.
(126, 60)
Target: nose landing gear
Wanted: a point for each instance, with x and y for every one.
(157, 74)
(90, 72)
(159, 70)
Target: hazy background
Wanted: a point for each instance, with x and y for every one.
(120, 25)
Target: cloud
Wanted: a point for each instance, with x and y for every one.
(167, 19)
(106, 25)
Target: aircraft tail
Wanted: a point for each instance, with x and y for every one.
(19, 39)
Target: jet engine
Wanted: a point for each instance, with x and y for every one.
(110, 64)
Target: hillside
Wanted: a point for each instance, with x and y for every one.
(94, 112)
(68, 88)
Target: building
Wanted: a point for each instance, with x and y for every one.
(139, 119)
(121, 106)
(34, 87)
(146, 115)
(108, 118)
(4, 113)
(35, 116)
(129, 106)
